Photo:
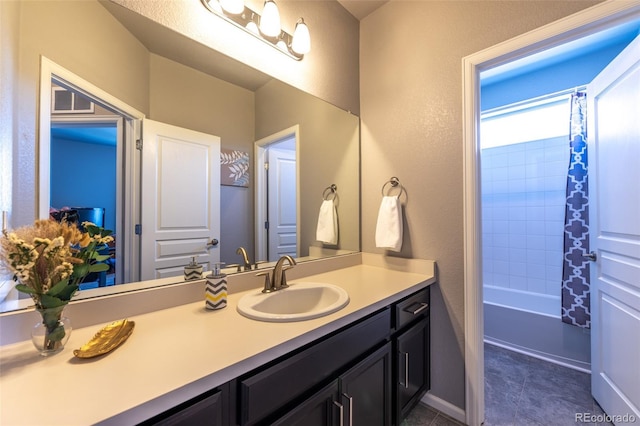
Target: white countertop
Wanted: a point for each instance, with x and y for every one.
(177, 353)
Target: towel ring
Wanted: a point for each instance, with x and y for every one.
(329, 190)
(394, 182)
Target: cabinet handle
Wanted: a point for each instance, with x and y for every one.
(350, 408)
(341, 408)
(416, 311)
(406, 369)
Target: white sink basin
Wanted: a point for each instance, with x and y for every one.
(300, 301)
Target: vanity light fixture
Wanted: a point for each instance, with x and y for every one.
(265, 27)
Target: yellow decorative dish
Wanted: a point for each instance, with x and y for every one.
(107, 339)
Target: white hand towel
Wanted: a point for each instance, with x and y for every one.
(389, 226)
(327, 230)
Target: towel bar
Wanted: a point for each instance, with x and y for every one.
(394, 182)
(332, 189)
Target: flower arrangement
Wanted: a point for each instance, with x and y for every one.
(49, 260)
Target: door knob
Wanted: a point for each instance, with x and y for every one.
(591, 256)
(214, 242)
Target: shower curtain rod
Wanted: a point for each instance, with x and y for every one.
(527, 102)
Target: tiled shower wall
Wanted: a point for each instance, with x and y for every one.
(523, 199)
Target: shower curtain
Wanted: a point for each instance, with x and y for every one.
(576, 309)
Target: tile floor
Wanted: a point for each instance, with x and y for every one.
(522, 391)
(427, 416)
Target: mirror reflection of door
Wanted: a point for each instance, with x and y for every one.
(84, 146)
(180, 200)
(281, 199)
(276, 195)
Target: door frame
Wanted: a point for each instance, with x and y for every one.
(589, 21)
(260, 155)
(128, 158)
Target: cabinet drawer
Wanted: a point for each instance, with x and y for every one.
(412, 307)
(264, 393)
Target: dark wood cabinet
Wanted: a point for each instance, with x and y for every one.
(371, 372)
(365, 390)
(267, 391)
(412, 362)
(360, 396)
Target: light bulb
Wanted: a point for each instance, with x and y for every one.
(282, 45)
(270, 20)
(235, 7)
(301, 43)
(253, 27)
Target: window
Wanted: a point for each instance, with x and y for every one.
(525, 121)
(66, 102)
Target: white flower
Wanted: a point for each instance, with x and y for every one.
(102, 240)
(64, 269)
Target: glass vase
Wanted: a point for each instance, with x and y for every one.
(52, 332)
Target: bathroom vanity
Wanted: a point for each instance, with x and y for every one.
(367, 363)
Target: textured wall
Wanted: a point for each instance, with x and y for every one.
(9, 33)
(411, 109)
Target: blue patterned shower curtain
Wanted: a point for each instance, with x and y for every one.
(576, 307)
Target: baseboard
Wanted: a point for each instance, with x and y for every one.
(569, 363)
(444, 407)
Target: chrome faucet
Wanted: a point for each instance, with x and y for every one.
(245, 258)
(279, 279)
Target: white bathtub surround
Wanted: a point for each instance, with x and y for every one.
(184, 342)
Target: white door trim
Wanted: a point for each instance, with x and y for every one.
(597, 18)
(261, 190)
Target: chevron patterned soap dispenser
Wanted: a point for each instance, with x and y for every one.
(192, 271)
(216, 290)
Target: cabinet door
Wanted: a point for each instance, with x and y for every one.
(322, 409)
(412, 367)
(365, 390)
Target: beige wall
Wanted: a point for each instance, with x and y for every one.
(329, 154)
(411, 111)
(9, 34)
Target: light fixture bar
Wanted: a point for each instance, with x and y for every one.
(281, 42)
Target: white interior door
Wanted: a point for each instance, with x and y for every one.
(180, 199)
(282, 203)
(614, 186)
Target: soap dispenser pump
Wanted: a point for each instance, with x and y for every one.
(216, 289)
(192, 271)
